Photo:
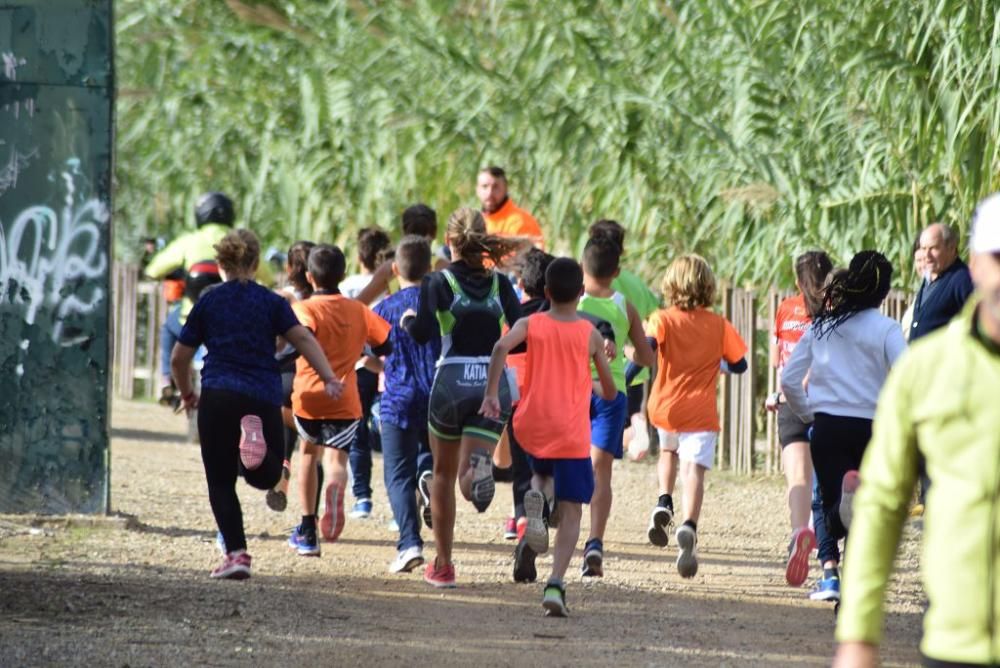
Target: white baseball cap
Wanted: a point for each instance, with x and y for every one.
(986, 226)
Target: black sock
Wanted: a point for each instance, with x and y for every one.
(308, 524)
(692, 524)
(666, 501)
(831, 573)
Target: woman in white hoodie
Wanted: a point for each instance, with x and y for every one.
(847, 354)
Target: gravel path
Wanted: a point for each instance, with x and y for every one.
(134, 591)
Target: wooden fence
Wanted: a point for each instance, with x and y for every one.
(749, 439)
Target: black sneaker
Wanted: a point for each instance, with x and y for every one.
(277, 499)
(593, 559)
(524, 563)
(424, 490)
(554, 600)
(659, 525)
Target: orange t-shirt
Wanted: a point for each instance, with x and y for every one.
(790, 322)
(553, 419)
(689, 347)
(511, 221)
(342, 327)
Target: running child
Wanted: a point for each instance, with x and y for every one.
(553, 418)
(791, 321)
(409, 375)
(468, 302)
(239, 411)
(600, 268)
(846, 353)
(690, 342)
(372, 243)
(328, 426)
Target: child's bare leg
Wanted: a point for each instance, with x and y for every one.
(666, 471)
(600, 504)
(446, 459)
(308, 477)
(694, 489)
(335, 462)
(798, 474)
(567, 537)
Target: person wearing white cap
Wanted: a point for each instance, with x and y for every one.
(939, 402)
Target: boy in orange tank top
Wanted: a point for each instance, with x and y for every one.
(553, 417)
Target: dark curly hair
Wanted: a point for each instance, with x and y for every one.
(863, 285)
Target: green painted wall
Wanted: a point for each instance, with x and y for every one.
(56, 115)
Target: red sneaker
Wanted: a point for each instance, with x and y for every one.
(522, 526)
(442, 577)
(797, 569)
(510, 529)
(235, 566)
(252, 444)
(332, 522)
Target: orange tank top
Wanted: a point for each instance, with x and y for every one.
(553, 419)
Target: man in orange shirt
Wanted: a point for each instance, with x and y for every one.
(342, 326)
(502, 216)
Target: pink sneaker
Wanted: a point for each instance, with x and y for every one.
(235, 566)
(510, 529)
(332, 522)
(848, 487)
(442, 577)
(799, 551)
(252, 444)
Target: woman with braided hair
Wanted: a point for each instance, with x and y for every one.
(847, 353)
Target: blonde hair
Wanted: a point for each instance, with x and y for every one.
(238, 252)
(689, 283)
(467, 233)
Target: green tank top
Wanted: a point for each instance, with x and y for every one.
(642, 298)
(466, 315)
(613, 309)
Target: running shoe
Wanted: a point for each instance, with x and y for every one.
(510, 529)
(522, 525)
(252, 444)
(393, 525)
(554, 600)
(593, 559)
(483, 485)
(659, 524)
(442, 577)
(362, 509)
(687, 557)
(799, 549)
(304, 542)
(828, 590)
(536, 534)
(235, 566)
(424, 491)
(332, 522)
(524, 563)
(277, 497)
(848, 487)
(406, 560)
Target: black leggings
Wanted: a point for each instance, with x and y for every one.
(838, 444)
(219, 415)
(520, 469)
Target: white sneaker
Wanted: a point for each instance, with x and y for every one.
(407, 560)
(687, 557)
(638, 447)
(535, 533)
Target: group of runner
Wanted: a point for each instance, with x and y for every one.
(544, 364)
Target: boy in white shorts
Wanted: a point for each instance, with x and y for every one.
(690, 341)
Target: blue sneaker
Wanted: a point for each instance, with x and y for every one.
(828, 590)
(362, 509)
(304, 542)
(593, 559)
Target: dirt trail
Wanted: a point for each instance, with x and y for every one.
(108, 594)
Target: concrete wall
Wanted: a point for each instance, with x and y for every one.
(56, 119)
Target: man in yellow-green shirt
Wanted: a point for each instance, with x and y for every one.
(939, 402)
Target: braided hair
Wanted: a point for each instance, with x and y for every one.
(863, 285)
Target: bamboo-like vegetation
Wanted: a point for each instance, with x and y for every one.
(746, 130)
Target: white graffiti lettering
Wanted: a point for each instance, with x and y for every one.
(10, 65)
(15, 164)
(45, 258)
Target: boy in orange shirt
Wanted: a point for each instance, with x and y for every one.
(690, 342)
(342, 327)
(553, 417)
